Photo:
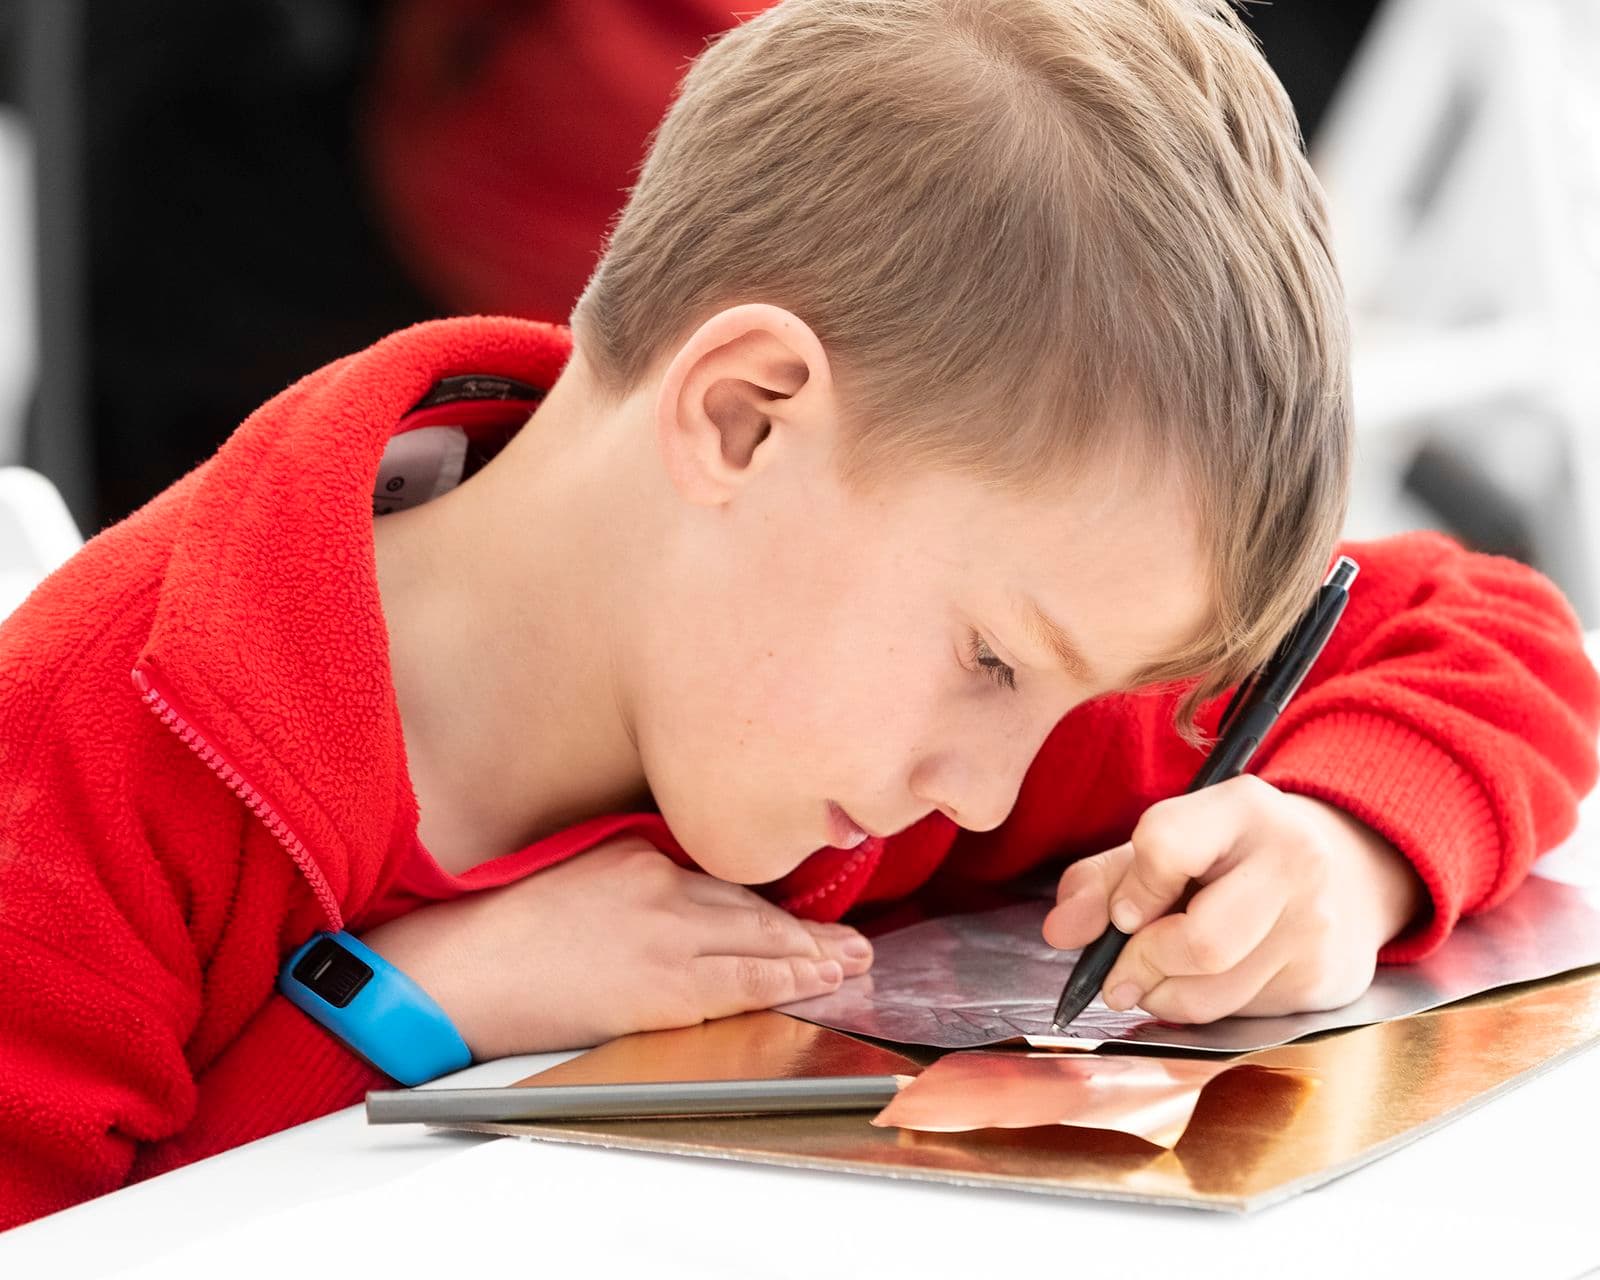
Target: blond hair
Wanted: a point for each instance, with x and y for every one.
(1026, 231)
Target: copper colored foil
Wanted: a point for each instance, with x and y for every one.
(751, 1046)
(1151, 1098)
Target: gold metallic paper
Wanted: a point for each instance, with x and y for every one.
(1255, 1137)
(1150, 1098)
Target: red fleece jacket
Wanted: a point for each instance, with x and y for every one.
(165, 842)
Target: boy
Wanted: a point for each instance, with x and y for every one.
(958, 368)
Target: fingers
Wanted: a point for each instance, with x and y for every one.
(1083, 898)
(1224, 923)
(1166, 972)
(770, 933)
(1270, 981)
(1179, 840)
(711, 892)
(726, 985)
(842, 943)
(1290, 992)
(1281, 916)
(1206, 999)
(755, 955)
(737, 921)
(754, 930)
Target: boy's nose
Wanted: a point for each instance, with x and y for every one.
(972, 791)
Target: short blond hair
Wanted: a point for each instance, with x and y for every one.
(1026, 231)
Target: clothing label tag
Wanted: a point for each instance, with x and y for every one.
(418, 466)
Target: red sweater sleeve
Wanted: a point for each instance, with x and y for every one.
(72, 1107)
(288, 1068)
(1454, 712)
(95, 1090)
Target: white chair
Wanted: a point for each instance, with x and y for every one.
(1462, 163)
(36, 533)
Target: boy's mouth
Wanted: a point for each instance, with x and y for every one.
(844, 832)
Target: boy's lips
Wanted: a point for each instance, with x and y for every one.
(844, 832)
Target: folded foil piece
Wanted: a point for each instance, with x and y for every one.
(964, 982)
(1151, 1098)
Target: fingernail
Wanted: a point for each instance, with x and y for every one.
(1125, 916)
(857, 948)
(831, 972)
(1125, 996)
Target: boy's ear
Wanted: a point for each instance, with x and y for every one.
(735, 394)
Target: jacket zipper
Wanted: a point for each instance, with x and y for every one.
(214, 759)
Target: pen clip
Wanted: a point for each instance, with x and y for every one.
(1339, 577)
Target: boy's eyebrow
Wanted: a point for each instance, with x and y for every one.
(1054, 637)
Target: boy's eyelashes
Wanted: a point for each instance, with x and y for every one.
(984, 659)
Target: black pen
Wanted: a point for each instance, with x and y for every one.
(1253, 710)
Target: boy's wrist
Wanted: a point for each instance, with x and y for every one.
(415, 943)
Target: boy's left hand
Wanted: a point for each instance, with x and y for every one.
(1293, 900)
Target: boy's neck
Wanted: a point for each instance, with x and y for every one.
(506, 602)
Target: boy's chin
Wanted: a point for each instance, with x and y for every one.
(732, 861)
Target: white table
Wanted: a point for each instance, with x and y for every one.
(1506, 1191)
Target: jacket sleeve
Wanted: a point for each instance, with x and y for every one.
(1454, 711)
(110, 1063)
(95, 1085)
(282, 1070)
(89, 1064)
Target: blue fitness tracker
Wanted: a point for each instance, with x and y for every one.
(374, 1008)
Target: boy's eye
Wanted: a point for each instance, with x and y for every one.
(983, 657)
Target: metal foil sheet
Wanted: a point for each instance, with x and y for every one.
(1255, 1136)
(964, 982)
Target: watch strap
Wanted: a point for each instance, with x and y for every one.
(373, 1007)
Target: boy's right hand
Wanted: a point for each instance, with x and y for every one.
(615, 940)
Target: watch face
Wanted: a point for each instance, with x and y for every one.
(332, 973)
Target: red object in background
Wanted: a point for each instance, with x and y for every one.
(502, 137)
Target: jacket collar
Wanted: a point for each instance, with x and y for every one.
(269, 652)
